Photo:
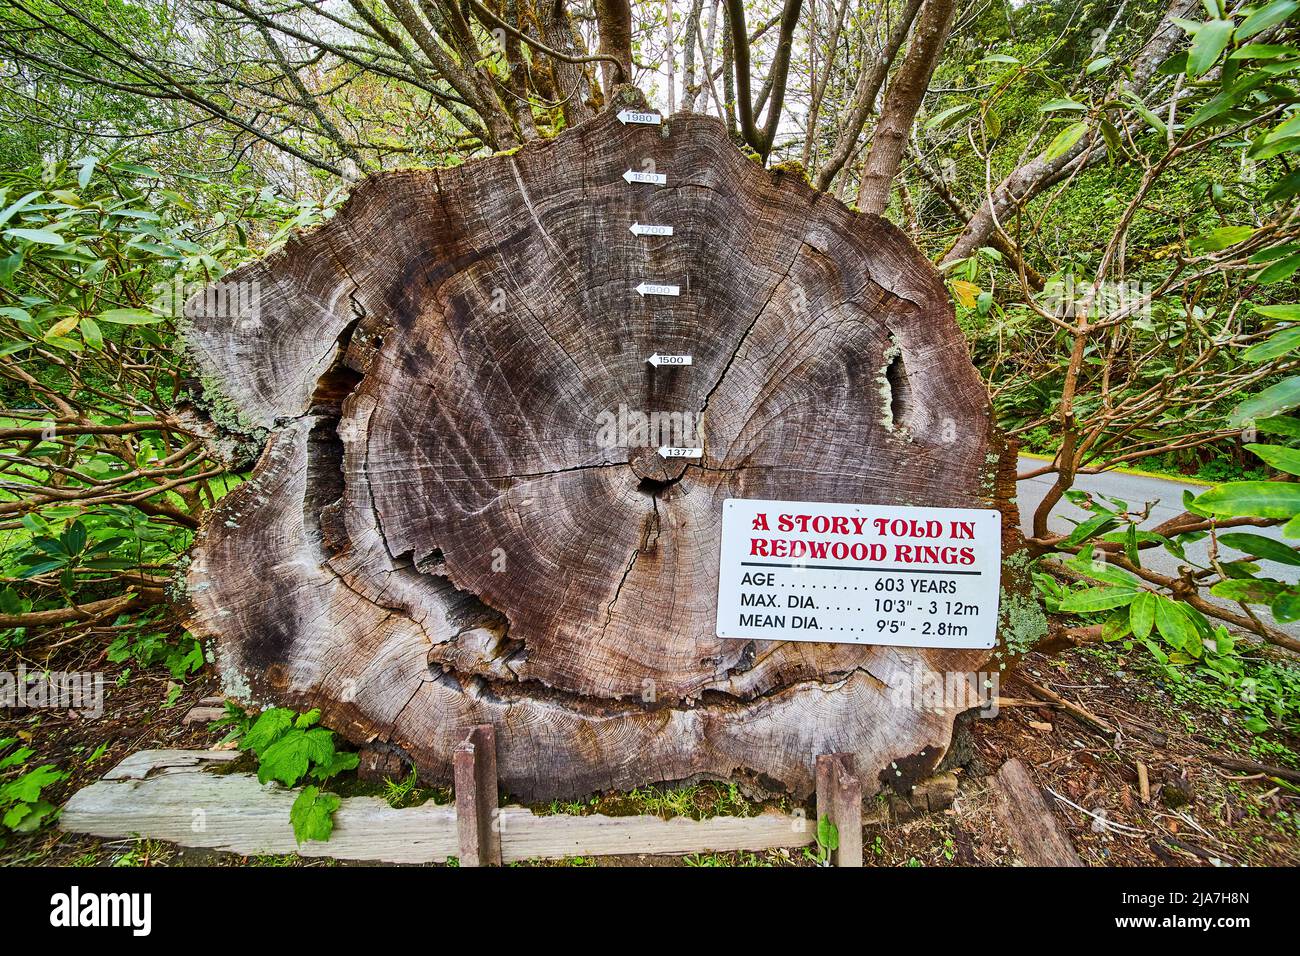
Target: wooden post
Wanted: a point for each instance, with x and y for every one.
(839, 799)
(474, 762)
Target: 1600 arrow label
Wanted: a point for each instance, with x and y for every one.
(650, 288)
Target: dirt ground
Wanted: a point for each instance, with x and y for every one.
(1199, 813)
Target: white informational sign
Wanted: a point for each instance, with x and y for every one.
(859, 574)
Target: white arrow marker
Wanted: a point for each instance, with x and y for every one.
(656, 360)
(655, 179)
(649, 288)
(667, 451)
(635, 116)
(647, 230)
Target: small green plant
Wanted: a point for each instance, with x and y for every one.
(237, 719)
(312, 814)
(181, 657)
(732, 803)
(145, 853)
(21, 802)
(407, 792)
(69, 551)
(398, 792)
(290, 748)
(828, 840)
(743, 858)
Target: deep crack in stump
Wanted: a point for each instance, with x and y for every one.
(434, 538)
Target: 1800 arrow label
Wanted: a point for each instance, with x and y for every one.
(655, 179)
(859, 574)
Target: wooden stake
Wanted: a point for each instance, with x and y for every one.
(839, 799)
(474, 763)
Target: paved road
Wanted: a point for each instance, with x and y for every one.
(1167, 496)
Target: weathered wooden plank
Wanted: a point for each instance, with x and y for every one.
(140, 765)
(527, 836)
(1028, 821)
(160, 795)
(165, 795)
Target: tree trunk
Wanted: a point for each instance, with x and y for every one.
(870, 79)
(614, 20)
(902, 100)
(436, 536)
(572, 81)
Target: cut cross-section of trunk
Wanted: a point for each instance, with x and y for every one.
(461, 516)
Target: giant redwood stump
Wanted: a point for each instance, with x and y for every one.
(435, 537)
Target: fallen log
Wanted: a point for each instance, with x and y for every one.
(442, 533)
(1028, 821)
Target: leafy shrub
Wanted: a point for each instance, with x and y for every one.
(290, 749)
(21, 802)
